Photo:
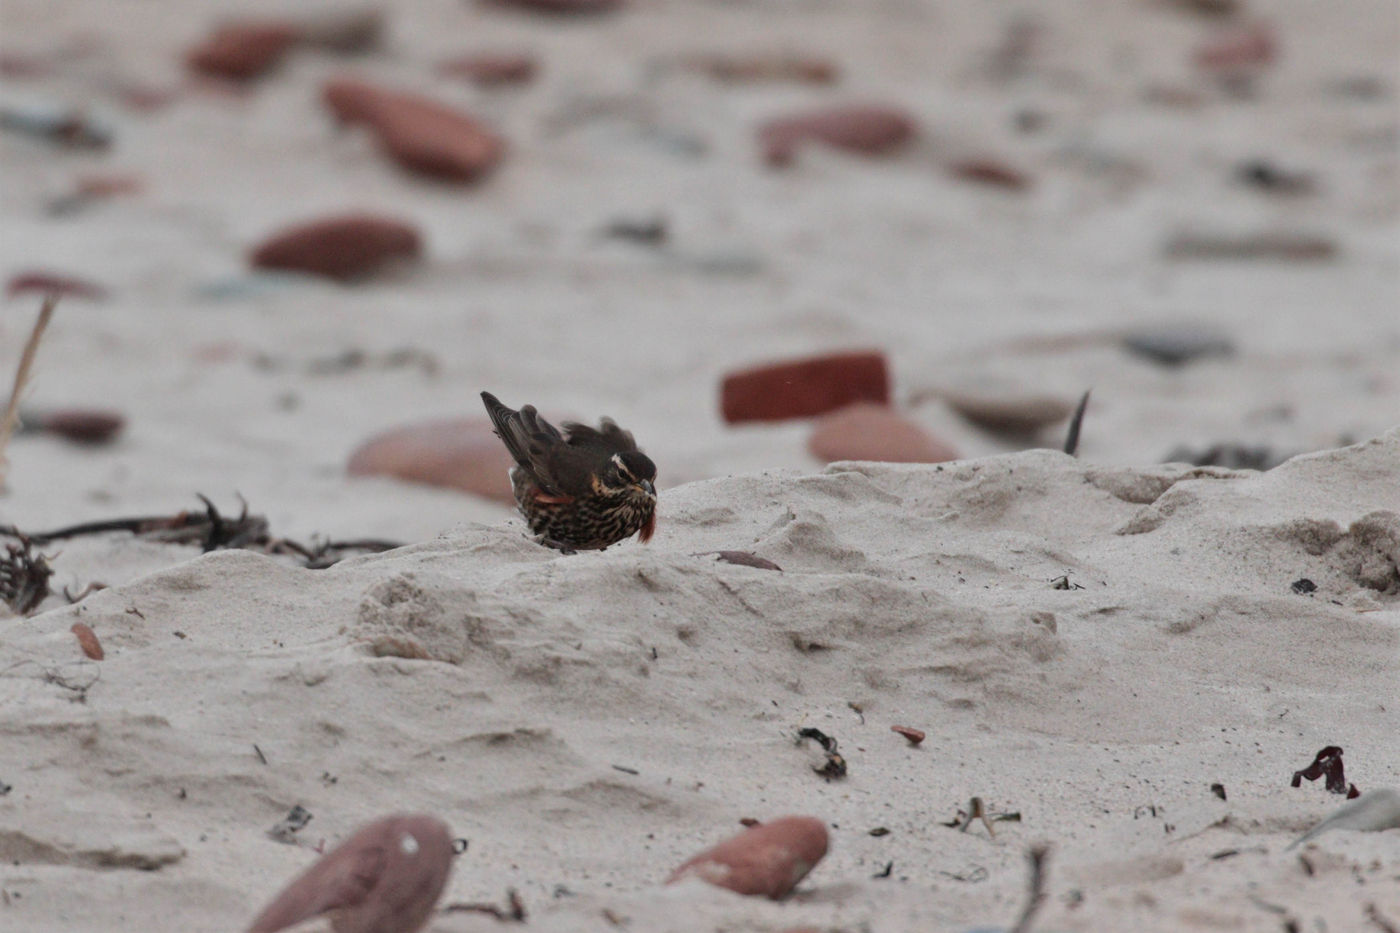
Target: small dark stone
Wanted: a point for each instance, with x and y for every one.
(1259, 173)
(1178, 344)
(1304, 586)
(1230, 456)
(1218, 790)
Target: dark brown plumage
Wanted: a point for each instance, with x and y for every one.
(581, 490)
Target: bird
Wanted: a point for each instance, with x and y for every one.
(386, 878)
(580, 490)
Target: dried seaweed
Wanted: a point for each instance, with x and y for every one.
(24, 575)
(211, 530)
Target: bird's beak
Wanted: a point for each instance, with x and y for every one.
(650, 489)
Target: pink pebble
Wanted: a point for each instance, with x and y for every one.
(422, 135)
(768, 859)
(242, 51)
(386, 878)
(490, 70)
(874, 432)
(862, 129)
(458, 454)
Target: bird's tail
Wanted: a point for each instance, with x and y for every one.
(508, 427)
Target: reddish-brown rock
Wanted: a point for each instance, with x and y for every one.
(458, 454)
(107, 186)
(51, 283)
(490, 70)
(1247, 48)
(560, 6)
(85, 426)
(344, 248)
(803, 388)
(352, 100)
(87, 640)
(862, 129)
(915, 736)
(242, 51)
(873, 432)
(990, 172)
(421, 135)
(386, 877)
(767, 859)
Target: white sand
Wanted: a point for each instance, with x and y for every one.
(920, 594)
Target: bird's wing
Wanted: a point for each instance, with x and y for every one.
(607, 438)
(531, 440)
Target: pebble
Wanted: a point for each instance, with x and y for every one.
(422, 135)
(1009, 412)
(1244, 49)
(1264, 175)
(56, 123)
(242, 51)
(80, 425)
(344, 248)
(348, 32)
(769, 67)
(863, 129)
(1285, 247)
(1232, 456)
(767, 859)
(490, 70)
(563, 7)
(388, 876)
(990, 172)
(866, 431)
(49, 283)
(87, 640)
(461, 454)
(1176, 344)
(803, 388)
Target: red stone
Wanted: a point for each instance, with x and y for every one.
(915, 736)
(1250, 47)
(873, 432)
(561, 6)
(107, 186)
(862, 129)
(242, 51)
(803, 388)
(386, 877)
(85, 426)
(344, 248)
(420, 134)
(457, 454)
(49, 283)
(767, 859)
(990, 172)
(487, 70)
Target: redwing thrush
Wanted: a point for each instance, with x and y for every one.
(581, 490)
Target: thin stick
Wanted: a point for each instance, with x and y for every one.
(1036, 884)
(10, 421)
(1075, 421)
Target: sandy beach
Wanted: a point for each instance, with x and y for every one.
(1124, 654)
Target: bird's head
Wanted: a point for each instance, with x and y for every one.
(629, 471)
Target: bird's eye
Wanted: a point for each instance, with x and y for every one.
(620, 468)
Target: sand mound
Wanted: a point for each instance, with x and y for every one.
(1091, 649)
